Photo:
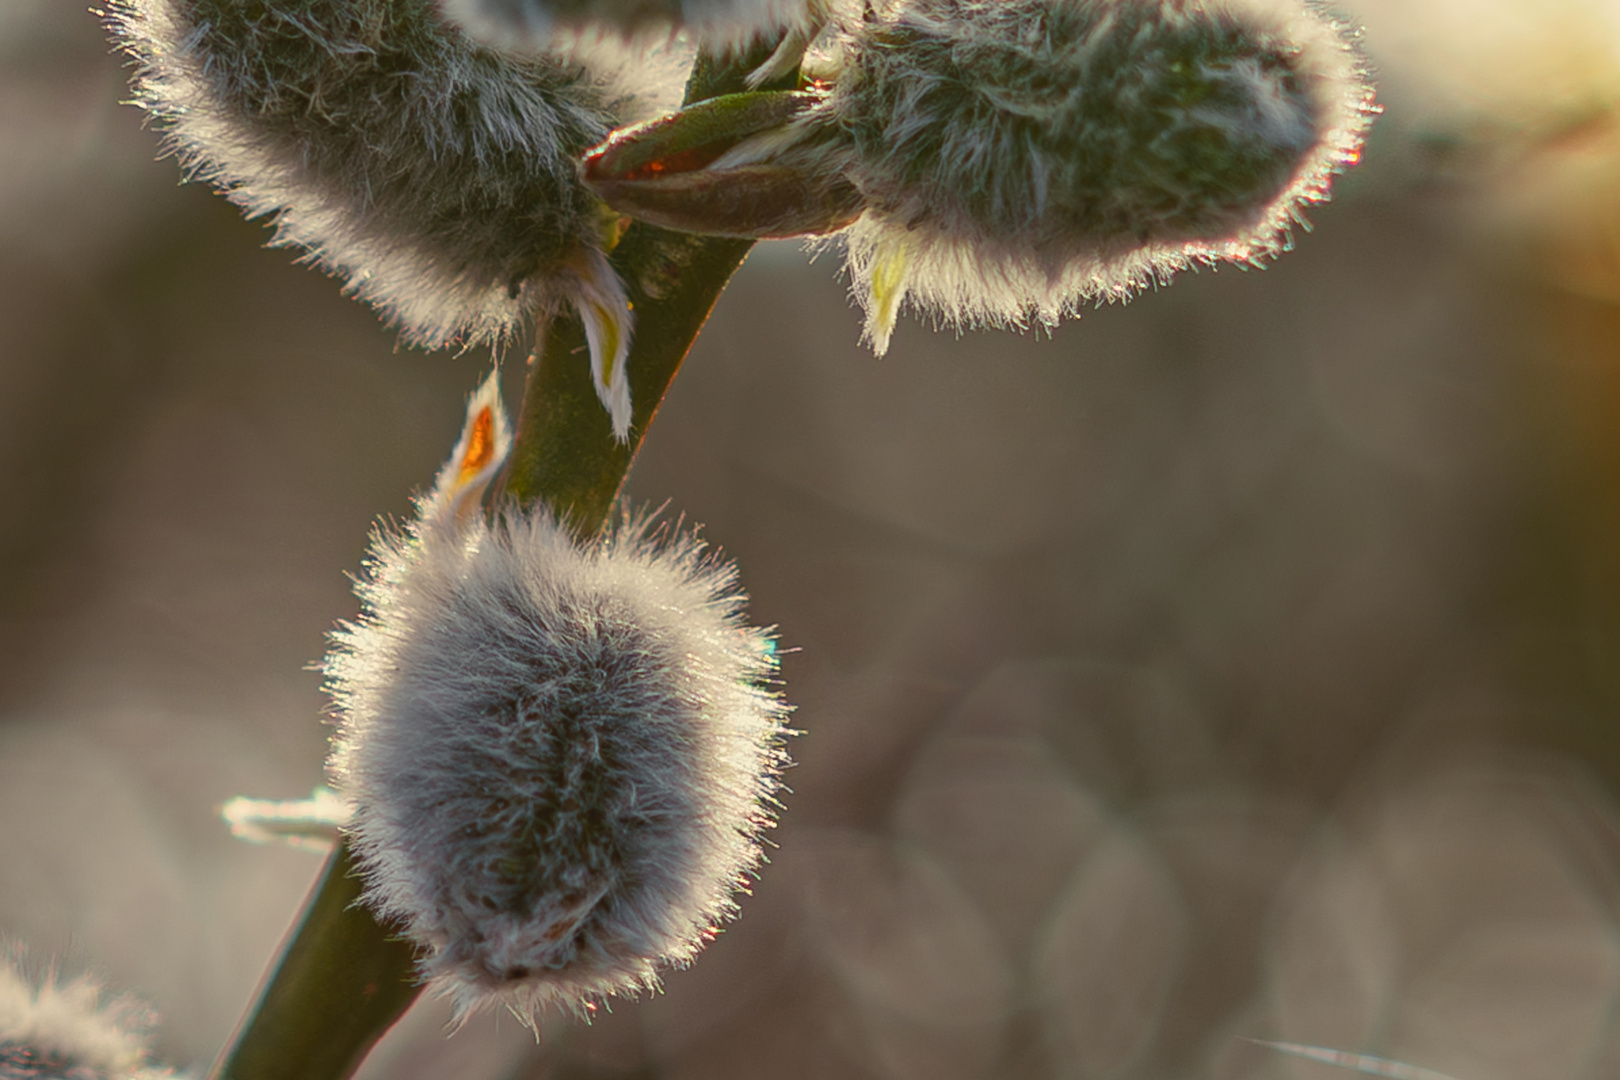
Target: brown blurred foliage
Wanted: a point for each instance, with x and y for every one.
(1239, 662)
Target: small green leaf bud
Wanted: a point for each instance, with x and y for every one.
(709, 169)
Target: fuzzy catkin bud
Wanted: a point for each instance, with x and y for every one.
(532, 24)
(1022, 157)
(70, 1031)
(560, 757)
(434, 175)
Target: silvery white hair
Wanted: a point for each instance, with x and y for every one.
(560, 756)
(535, 24)
(70, 1030)
(1020, 158)
(435, 175)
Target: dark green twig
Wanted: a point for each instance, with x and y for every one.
(344, 977)
(565, 455)
(341, 983)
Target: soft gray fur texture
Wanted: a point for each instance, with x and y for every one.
(532, 24)
(434, 174)
(560, 759)
(1022, 156)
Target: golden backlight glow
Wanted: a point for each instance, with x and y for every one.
(480, 445)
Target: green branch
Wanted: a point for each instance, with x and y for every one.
(341, 983)
(565, 455)
(344, 978)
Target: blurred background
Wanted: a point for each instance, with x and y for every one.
(1241, 662)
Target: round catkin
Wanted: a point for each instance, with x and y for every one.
(561, 759)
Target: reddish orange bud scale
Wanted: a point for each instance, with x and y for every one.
(480, 445)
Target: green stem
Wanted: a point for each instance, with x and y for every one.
(565, 455)
(344, 978)
(341, 983)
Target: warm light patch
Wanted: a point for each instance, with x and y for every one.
(480, 445)
(483, 446)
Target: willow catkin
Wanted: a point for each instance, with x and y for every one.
(72, 1030)
(560, 756)
(1021, 158)
(434, 175)
(717, 24)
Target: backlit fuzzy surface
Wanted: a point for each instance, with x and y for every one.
(561, 760)
(530, 24)
(1022, 157)
(70, 1031)
(436, 176)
